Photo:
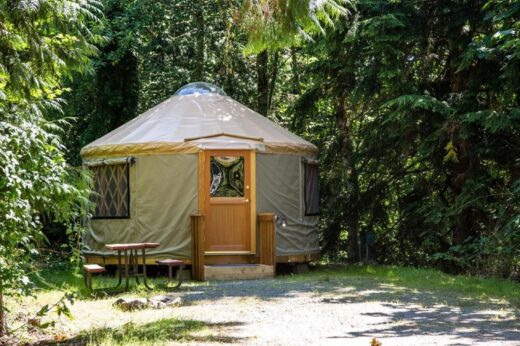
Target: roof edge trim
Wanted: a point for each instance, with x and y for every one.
(153, 148)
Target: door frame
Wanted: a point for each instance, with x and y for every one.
(203, 197)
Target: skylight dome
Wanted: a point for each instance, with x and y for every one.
(199, 88)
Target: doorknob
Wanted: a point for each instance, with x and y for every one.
(246, 200)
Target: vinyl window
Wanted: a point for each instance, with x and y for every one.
(312, 189)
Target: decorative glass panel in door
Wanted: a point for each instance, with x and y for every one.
(227, 176)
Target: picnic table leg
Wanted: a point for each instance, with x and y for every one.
(88, 280)
(143, 252)
(127, 265)
(135, 264)
(179, 276)
(119, 268)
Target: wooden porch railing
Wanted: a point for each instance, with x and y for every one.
(267, 237)
(197, 251)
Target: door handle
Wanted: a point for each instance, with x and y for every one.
(246, 200)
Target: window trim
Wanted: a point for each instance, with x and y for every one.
(316, 164)
(128, 216)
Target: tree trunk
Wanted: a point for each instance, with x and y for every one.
(3, 326)
(466, 164)
(352, 202)
(272, 83)
(295, 72)
(263, 83)
(227, 61)
(354, 249)
(199, 24)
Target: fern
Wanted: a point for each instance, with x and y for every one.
(274, 24)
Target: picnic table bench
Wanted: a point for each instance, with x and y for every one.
(88, 270)
(171, 263)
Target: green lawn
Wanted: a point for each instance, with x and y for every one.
(64, 278)
(422, 280)
(152, 333)
(61, 277)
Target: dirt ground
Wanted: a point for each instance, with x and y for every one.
(328, 312)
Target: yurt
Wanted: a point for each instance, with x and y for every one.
(207, 178)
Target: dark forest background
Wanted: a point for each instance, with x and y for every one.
(414, 105)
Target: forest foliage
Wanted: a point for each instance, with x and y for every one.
(414, 106)
(41, 46)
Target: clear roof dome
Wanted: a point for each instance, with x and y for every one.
(199, 88)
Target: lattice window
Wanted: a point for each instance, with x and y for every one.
(112, 193)
(312, 189)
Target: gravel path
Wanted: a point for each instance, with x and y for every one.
(286, 312)
(303, 310)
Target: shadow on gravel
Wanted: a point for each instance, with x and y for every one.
(412, 312)
(480, 322)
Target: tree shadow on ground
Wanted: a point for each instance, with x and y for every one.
(160, 331)
(413, 314)
(406, 311)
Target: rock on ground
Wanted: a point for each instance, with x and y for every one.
(157, 302)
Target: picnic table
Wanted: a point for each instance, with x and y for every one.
(130, 251)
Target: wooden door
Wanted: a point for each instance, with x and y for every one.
(227, 191)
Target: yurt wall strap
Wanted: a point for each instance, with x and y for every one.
(109, 162)
(310, 161)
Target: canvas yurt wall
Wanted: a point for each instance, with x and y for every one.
(278, 177)
(163, 193)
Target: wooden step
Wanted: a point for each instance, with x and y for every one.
(237, 271)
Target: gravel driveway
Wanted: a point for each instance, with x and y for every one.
(292, 312)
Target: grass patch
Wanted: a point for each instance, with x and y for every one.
(66, 278)
(70, 279)
(420, 279)
(158, 332)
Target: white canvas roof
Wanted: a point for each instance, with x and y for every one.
(187, 123)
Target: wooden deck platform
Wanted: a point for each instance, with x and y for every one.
(238, 271)
(151, 260)
(243, 267)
